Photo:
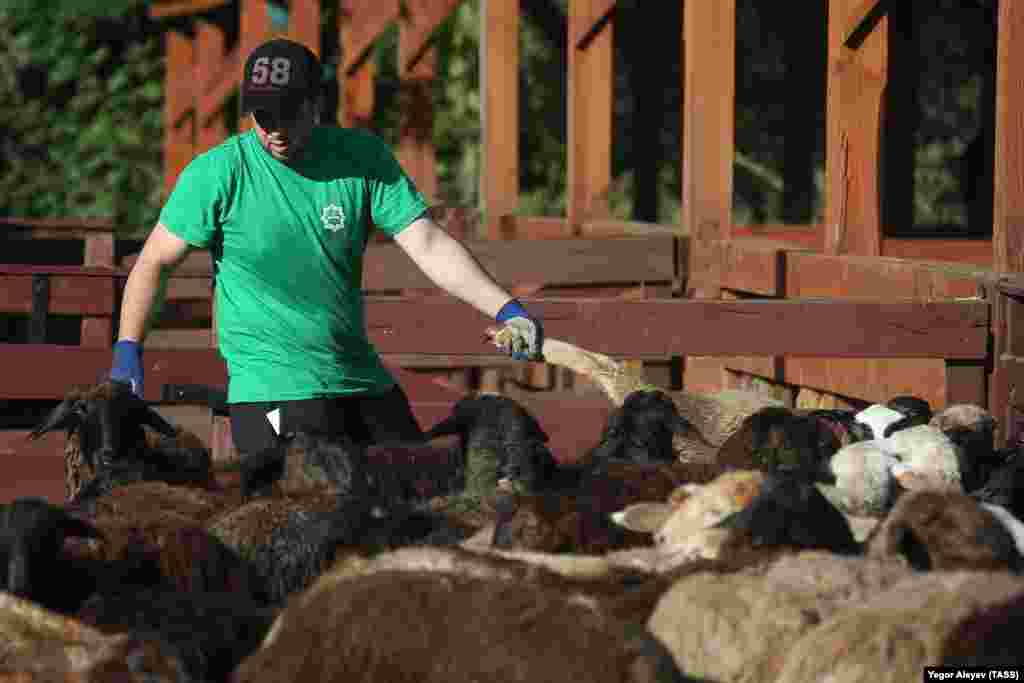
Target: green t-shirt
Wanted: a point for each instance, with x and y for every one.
(287, 246)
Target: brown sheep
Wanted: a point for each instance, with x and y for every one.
(937, 530)
(425, 627)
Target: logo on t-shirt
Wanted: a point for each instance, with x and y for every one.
(333, 217)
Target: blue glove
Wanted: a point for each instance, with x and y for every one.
(528, 341)
(128, 365)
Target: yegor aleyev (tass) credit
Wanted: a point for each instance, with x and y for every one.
(973, 673)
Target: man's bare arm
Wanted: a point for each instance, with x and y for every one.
(451, 266)
(147, 283)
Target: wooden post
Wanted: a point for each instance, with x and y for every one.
(416, 65)
(254, 27)
(304, 23)
(856, 84)
(178, 101)
(590, 110)
(1008, 219)
(359, 24)
(210, 55)
(499, 109)
(709, 95)
(99, 251)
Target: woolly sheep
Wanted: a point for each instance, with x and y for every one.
(425, 626)
(107, 444)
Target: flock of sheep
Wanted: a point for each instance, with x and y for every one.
(705, 537)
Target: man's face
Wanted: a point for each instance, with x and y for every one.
(285, 133)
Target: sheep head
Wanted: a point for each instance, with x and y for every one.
(501, 441)
(107, 420)
(643, 430)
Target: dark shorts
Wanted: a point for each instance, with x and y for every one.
(365, 418)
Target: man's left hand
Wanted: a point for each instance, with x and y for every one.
(522, 336)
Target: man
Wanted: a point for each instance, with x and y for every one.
(285, 210)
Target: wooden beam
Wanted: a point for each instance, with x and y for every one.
(499, 100)
(708, 112)
(210, 66)
(591, 82)
(162, 9)
(98, 331)
(561, 262)
(304, 23)
(1008, 227)
(977, 252)
(69, 295)
(422, 20)
(603, 13)
(222, 83)
(862, 20)
(675, 327)
(417, 63)
(254, 27)
(360, 22)
(856, 83)
(68, 366)
(178, 134)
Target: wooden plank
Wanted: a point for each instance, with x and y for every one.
(304, 23)
(561, 262)
(709, 94)
(976, 252)
(752, 265)
(675, 327)
(415, 149)
(851, 277)
(810, 275)
(601, 14)
(966, 382)
(423, 17)
(67, 366)
(856, 82)
(162, 9)
(1008, 227)
(254, 27)
(98, 332)
(360, 22)
(854, 227)
(804, 236)
(178, 134)
(69, 295)
(590, 113)
(224, 77)
(499, 112)
(32, 468)
(15, 226)
(873, 381)
(862, 20)
(211, 64)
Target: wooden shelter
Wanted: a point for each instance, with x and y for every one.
(832, 312)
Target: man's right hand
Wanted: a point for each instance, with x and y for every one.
(127, 366)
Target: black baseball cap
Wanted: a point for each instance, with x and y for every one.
(278, 75)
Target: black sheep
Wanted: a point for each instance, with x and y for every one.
(641, 430)
(500, 425)
(790, 511)
(32, 533)
(107, 444)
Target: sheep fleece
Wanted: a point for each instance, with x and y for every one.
(432, 628)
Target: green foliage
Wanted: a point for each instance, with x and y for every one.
(83, 84)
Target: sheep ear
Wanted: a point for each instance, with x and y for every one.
(63, 416)
(643, 517)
